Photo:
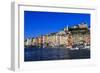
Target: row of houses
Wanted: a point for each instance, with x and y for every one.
(65, 38)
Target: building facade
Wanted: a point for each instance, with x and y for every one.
(66, 38)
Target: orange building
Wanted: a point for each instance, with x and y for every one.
(69, 40)
(87, 39)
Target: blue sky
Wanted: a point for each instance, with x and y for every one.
(40, 23)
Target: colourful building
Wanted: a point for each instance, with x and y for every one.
(65, 38)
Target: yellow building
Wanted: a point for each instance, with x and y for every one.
(64, 38)
(61, 39)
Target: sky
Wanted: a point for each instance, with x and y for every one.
(40, 23)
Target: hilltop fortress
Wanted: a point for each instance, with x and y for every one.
(66, 38)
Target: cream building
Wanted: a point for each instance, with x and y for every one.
(61, 38)
(33, 41)
(64, 38)
(28, 42)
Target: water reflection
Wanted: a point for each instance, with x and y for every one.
(40, 54)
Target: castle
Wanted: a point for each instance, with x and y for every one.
(66, 38)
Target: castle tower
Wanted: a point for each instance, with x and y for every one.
(66, 29)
